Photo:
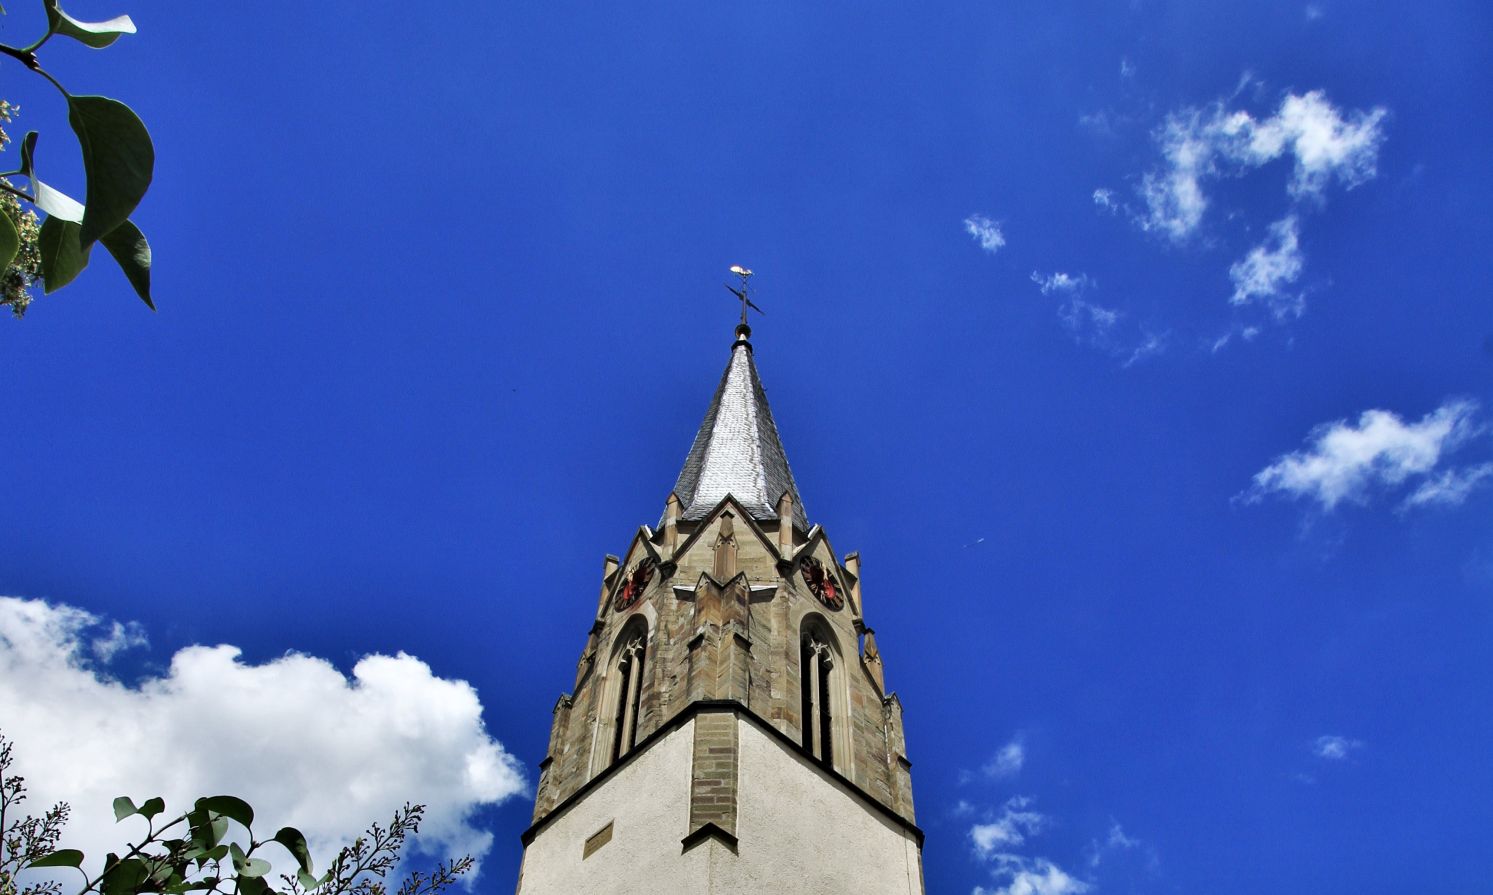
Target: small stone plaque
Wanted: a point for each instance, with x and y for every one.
(598, 839)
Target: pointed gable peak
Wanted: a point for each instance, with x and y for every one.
(737, 450)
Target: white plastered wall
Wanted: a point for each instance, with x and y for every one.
(798, 831)
(801, 831)
(647, 803)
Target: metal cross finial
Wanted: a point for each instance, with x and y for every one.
(746, 276)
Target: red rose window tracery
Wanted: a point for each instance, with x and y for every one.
(635, 583)
(821, 583)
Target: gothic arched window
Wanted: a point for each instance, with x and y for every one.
(627, 688)
(818, 675)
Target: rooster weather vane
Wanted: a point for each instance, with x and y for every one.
(746, 276)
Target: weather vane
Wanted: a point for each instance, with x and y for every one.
(746, 276)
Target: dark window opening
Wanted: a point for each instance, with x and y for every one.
(629, 698)
(814, 672)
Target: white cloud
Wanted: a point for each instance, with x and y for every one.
(301, 742)
(1127, 68)
(1088, 321)
(1118, 839)
(1324, 143)
(1334, 748)
(1010, 828)
(1096, 326)
(1247, 333)
(1105, 199)
(1174, 197)
(999, 842)
(117, 639)
(1037, 877)
(986, 232)
(1269, 268)
(1007, 761)
(1314, 12)
(1060, 282)
(1343, 461)
(1450, 488)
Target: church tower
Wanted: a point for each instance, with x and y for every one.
(730, 729)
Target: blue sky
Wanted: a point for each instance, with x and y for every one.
(1143, 351)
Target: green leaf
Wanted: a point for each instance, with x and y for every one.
(230, 807)
(62, 857)
(154, 806)
(295, 843)
(10, 241)
(208, 830)
(252, 885)
(95, 34)
(125, 877)
(255, 868)
(28, 148)
(238, 856)
(124, 806)
(196, 821)
(161, 871)
(307, 881)
(118, 159)
(62, 259)
(130, 250)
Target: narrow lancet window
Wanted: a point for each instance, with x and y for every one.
(816, 660)
(629, 671)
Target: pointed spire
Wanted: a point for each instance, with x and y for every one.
(737, 450)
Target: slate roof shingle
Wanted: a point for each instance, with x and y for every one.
(737, 450)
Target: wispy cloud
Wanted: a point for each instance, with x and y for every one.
(1269, 268)
(1117, 842)
(1450, 488)
(1035, 876)
(1324, 143)
(116, 638)
(1096, 325)
(1006, 762)
(1247, 333)
(995, 841)
(1150, 344)
(1060, 282)
(1334, 748)
(986, 232)
(1345, 461)
(1010, 828)
(1088, 322)
(1199, 146)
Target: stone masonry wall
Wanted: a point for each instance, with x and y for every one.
(735, 639)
